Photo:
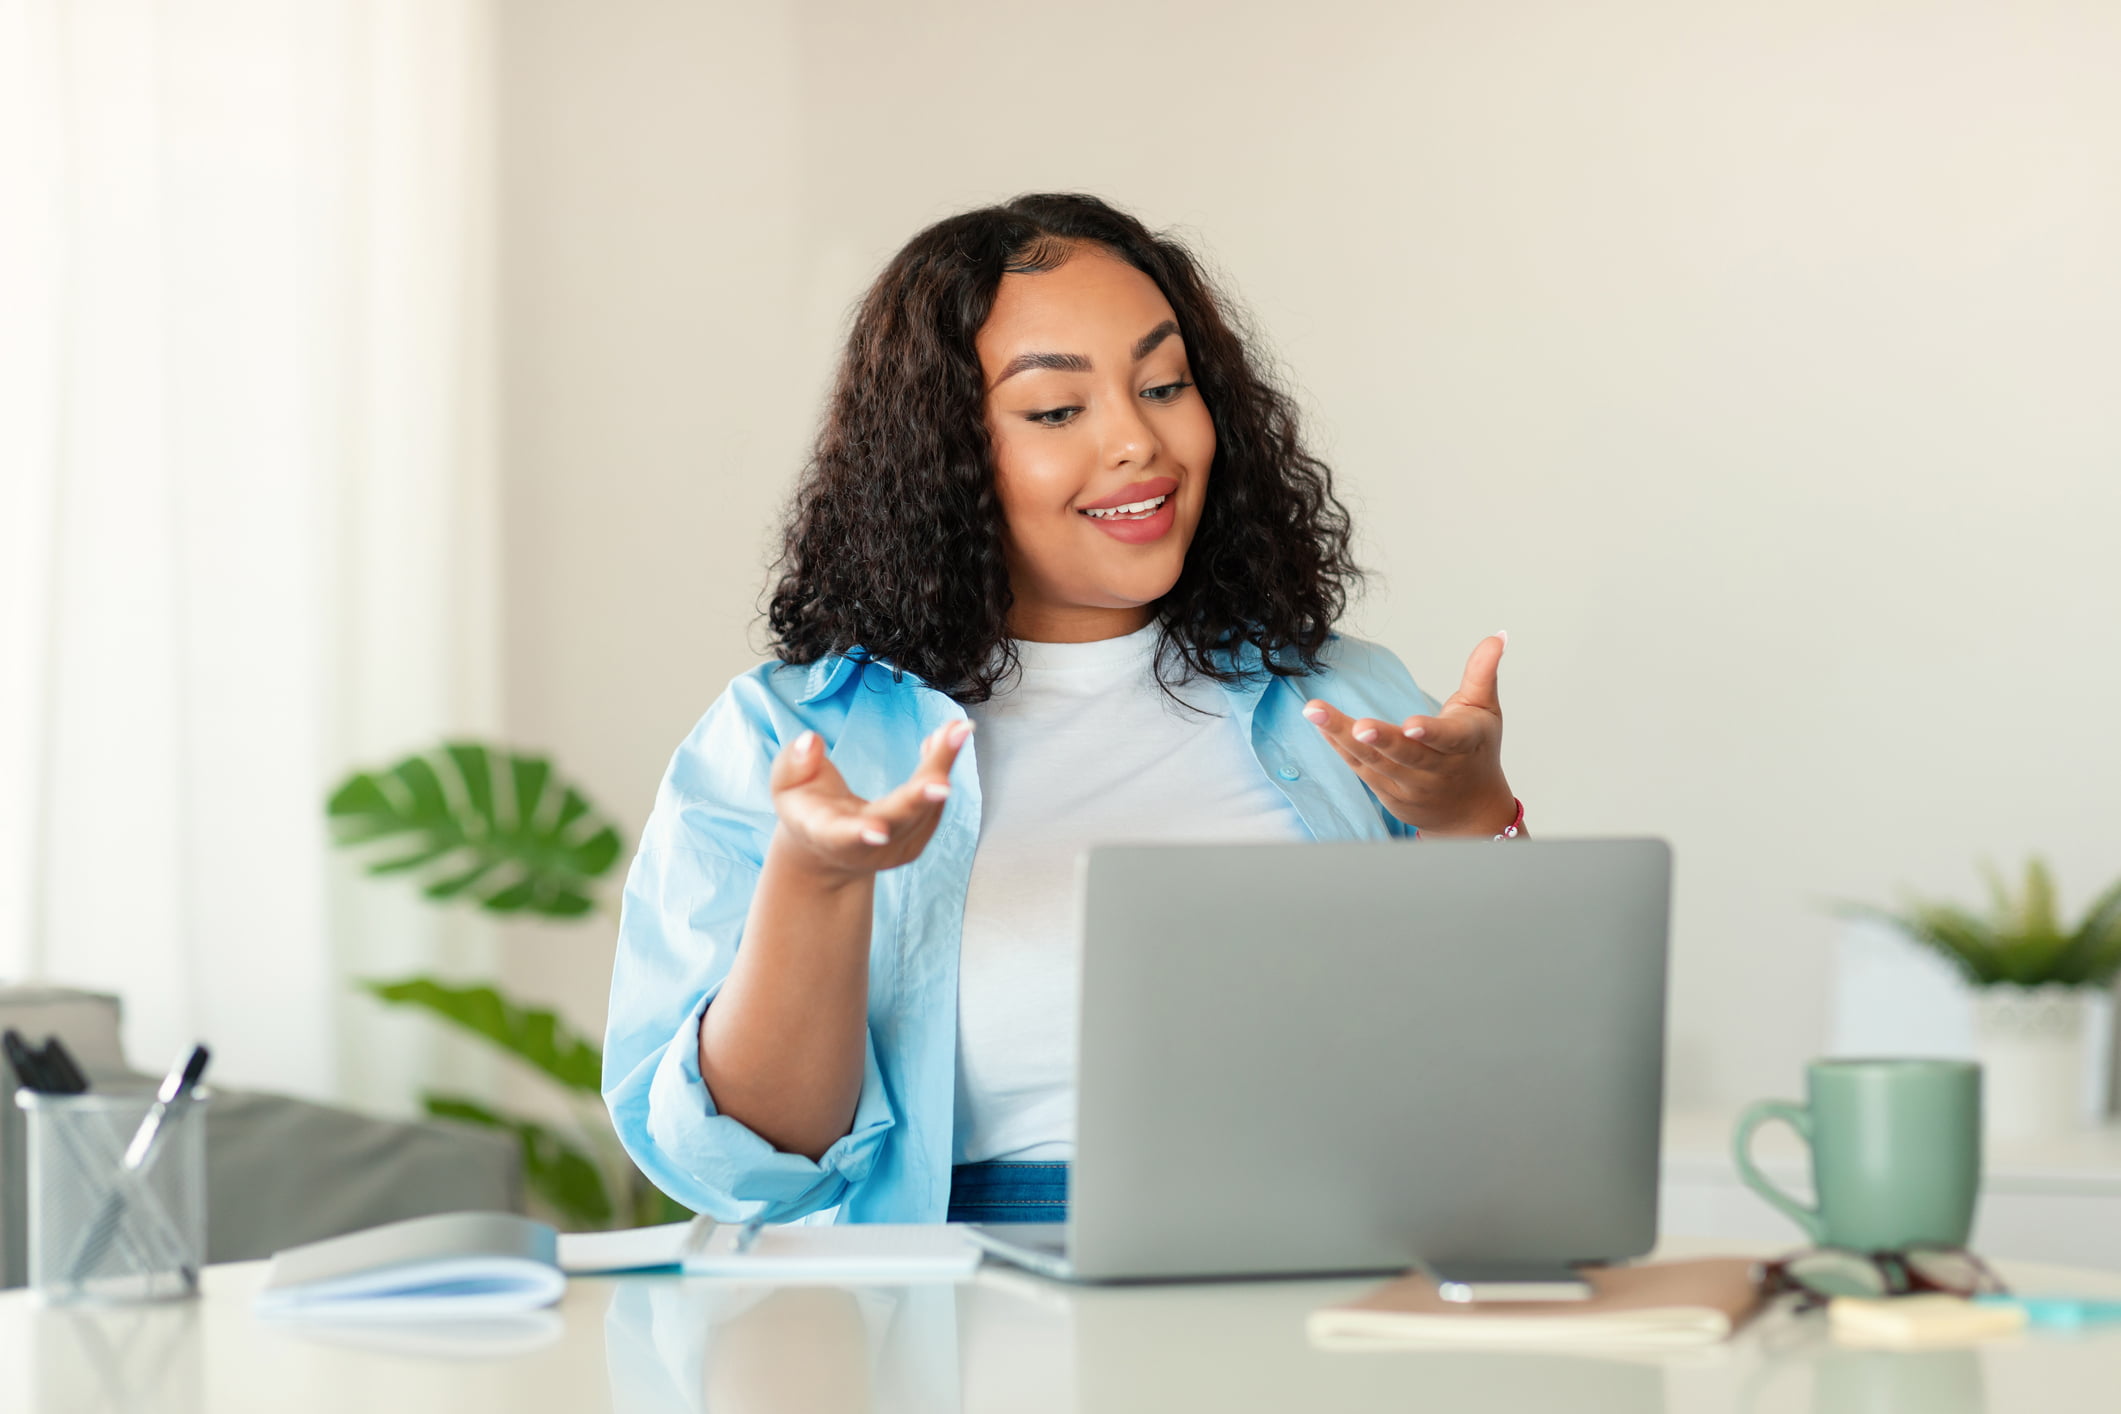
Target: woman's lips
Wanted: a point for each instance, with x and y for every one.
(1140, 491)
(1131, 530)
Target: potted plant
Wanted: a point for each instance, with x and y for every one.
(499, 830)
(2040, 991)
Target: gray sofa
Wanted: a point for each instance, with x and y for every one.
(278, 1170)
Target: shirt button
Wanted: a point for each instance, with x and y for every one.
(1288, 773)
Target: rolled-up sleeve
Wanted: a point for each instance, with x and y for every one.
(681, 922)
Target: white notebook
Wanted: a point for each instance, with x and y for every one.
(839, 1252)
(464, 1265)
(448, 1265)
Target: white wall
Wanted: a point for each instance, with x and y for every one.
(1755, 365)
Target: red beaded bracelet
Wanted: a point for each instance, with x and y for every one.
(1510, 831)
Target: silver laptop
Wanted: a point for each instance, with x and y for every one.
(1322, 1058)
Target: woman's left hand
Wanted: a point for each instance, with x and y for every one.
(1440, 774)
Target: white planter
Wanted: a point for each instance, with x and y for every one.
(2034, 1047)
(1894, 997)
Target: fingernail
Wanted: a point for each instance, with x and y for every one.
(1315, 715)
(1417, 732)
(1366, 734)
(806, 743)
(936, 791)
(1504, 635)
(876, 836)
(958, 732)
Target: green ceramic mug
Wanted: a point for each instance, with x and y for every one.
(1896, 1152)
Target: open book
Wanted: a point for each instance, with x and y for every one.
(454, 1265)
(1654, 1306)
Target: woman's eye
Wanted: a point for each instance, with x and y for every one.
(1166, 392)
(1053, 417)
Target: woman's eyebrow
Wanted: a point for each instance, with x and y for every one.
(1076, 363)
(1066, 363)
(1146, 345)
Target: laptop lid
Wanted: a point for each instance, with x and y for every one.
(1351, 1057)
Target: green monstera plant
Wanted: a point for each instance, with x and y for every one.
(472, 825)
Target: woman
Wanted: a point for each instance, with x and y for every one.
(1056, 500)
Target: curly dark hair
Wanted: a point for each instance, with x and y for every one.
(893, 540)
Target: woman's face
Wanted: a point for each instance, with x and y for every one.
(1091, 408)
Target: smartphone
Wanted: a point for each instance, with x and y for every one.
(1503, 1281)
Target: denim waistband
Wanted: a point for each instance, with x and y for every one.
(1009, 1193)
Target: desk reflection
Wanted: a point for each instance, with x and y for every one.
(1820, 1377)
(686, 1346)
(1006, 1342)
(118, 1360)
(1899, 1382)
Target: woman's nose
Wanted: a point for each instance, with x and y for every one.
(1129, 439)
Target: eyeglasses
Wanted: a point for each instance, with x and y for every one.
(1823, 1273)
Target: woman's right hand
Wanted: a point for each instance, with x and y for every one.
(832, 830)
(781, 1047)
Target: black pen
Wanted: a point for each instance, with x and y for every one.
(67, 1077)
(29, 1065)
(176, 1089)
(48, 1069)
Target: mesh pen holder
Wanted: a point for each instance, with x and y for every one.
(99, 1234)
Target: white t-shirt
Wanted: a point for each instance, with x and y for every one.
(1082, 748)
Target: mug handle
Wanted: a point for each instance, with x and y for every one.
(1797, 1117)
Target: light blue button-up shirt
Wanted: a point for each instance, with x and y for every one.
(690, 889)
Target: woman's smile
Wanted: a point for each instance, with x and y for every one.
(1136, 514)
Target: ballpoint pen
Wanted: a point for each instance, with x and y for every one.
(702, 1231)
(176, 1091)
(170, 1103)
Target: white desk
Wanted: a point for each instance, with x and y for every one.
(2046, 1200)
(1004, 1343)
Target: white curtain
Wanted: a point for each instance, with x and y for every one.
(247, 520)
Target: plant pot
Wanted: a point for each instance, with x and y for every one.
(2035, 1053)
